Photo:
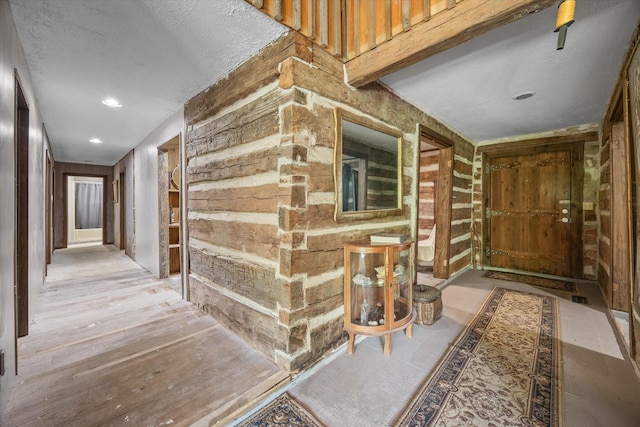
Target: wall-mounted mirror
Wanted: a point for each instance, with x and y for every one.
(367, 168)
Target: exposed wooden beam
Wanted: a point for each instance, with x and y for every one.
(468, 19)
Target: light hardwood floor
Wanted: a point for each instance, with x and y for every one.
(112, 345)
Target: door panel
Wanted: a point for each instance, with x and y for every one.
(529, 212)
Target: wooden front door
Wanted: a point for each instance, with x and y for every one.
(529, 212)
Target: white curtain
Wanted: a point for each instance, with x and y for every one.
(88, 205)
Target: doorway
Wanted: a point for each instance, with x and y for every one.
(434, 206)
(85, 209)
(21, 281)
(533, 209)
(169, 197)
(123, 211)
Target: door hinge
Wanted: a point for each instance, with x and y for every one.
(490, 252)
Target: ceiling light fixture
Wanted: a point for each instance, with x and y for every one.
(96, 140)
(111, 102)
(524, 95)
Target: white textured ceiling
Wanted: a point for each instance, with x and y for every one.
(471, 87)
(154, 55)
(151, 55)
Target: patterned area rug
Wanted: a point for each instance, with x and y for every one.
(503, 371)
(284, 411)
(560, 285)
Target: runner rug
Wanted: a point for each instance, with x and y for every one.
(503, 370)
(560, 285)
(282, 412)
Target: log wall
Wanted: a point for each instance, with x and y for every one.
(591, 202)
(428, 184)
(461, 208)
(604, 218)
(266, 254)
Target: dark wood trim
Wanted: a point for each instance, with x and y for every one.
(541, 144)
(21, 241)
(123, 220)
(443, 221)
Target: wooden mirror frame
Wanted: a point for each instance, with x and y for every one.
(339, 214)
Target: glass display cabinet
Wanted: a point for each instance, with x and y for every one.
(378, 290)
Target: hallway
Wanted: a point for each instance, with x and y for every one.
(112, 345)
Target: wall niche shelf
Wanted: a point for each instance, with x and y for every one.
(378, 290)
(169, 198)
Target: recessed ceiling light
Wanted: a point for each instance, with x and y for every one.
(524, 95)
(96, 140)
(111, 102)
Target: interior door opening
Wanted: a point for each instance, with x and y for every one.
(433, 229)
(85, 210)
(21, 281)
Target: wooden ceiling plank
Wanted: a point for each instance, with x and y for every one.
(444, 30)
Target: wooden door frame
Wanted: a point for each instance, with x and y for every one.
(21, 240)
(48, 205)
(573, 144)
(443, 202)
(122, 201)
(65, 203)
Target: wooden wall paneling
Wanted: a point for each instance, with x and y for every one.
(443, 235)
(577, 212)
(631, 106)
(605, 203)
(620, 200)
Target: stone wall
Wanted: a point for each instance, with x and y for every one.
(266, 254)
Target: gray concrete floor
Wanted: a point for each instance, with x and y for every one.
(601, 387)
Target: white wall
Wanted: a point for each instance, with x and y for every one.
(147, 237)
(12, 57)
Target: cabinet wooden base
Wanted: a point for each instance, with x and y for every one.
(408, 330)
